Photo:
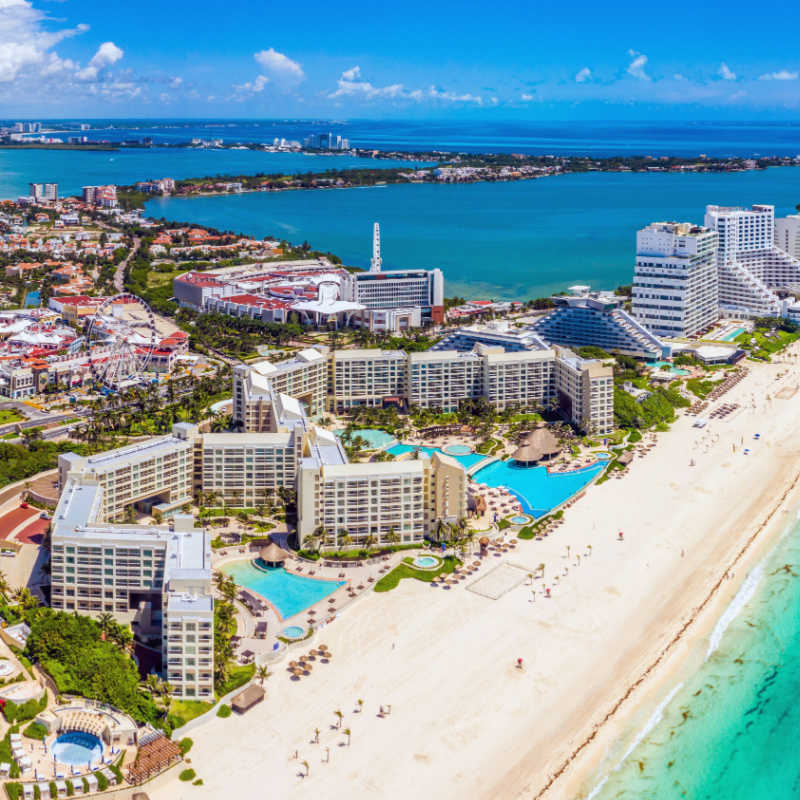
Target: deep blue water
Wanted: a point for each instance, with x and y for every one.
(514, 240)
(489, 135)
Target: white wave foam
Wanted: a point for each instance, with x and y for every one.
(742, 598)
(651, 723)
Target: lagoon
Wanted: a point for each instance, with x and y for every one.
(497, 240)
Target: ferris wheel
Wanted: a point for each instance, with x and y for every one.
(121, 336)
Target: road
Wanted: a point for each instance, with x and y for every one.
(119, 273)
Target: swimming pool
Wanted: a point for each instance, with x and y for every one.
(467, 461)
(426, 562)
(729, 337)
(537, 489)
(457, 449)
(520, 519)
(292, 632)
(374, 437)
(289, 593)
(77, 748)
(672, 370)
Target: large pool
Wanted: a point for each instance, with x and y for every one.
(468, 460)
(289, 593)
(729, 337)
(374, 437)
(537, 489)
(77, 748)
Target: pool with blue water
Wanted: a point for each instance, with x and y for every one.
(538, 490)
(467, 460)
(289, 593)
(77, 748)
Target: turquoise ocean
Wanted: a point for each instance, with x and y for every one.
(519, 239)
(729, 730)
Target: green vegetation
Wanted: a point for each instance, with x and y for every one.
(24, 711)
(237, 676)
(593, 352)
(182, 711)
(634, 436)
(488, 446)
(187, 775)
(102, 781)
(19, 461)
(71, 649)
(407, 570)
(185, 745)
(700, 387)
(657, 409)
(770, 335)
(503, 524)
(9, 415)
(117, 772)
(35, 731)
(224, 711)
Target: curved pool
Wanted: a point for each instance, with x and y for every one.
(426, 562)
(77, 748)
(537, 489)
(289, 593)
(293, 632)
(374, 437)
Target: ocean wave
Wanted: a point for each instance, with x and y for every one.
(742, 598)
(651, 723)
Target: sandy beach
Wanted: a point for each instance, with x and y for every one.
(465, 721)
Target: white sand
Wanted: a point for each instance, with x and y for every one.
(465, 722)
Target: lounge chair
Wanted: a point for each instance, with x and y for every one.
(5, 768)
(62, 788)
(27, 790)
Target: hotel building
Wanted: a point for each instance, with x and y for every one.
(598, 320)
(403, 499)
(367, 377)
(675, 280)
(751, 268)
(787, 234)
(401, 289)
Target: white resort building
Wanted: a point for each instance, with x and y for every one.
(751, 268)
(675, 279)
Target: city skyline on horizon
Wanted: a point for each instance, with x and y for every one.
(520, 64)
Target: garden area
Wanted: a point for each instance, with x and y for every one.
(407, 570)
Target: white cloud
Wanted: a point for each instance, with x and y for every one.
(352, 74)
(637, 67)
(583, 75)
(25, 46)
(678, 77)
(780, 75)
(279, 67)
(107, 54)
(252, 87)
(726, 73)
(176, 82)
(453, 97)
(526, 98)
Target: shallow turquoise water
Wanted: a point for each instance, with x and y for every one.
(467, 461)
(537, 489)
(515, 240)
(77, 748)
(730, 732)
(289, 593)
(374, 437)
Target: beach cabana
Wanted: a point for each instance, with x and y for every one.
(247, 698)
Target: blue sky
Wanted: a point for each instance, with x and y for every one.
(508, 59)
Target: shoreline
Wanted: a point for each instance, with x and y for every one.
(600, 646)
(660, 669)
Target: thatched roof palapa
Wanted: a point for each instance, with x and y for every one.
(272, 553)
(537, 445)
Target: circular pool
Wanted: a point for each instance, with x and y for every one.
(293, 632)
(77, 748)
(521, 519)
(426, 562)
(457, 450)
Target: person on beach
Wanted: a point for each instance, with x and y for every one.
(519, 663)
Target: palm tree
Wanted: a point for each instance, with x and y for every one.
(262, 673)
(360, 704)
(347, 734)
(305, 764)
(106, 622)
(338, 714)
(316, 735)
(541, 570)
(4, 585)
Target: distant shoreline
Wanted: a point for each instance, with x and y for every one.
(57, 146)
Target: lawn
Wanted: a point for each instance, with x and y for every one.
(407, 570)
(9, 415)
(182, 711)
(766, 345)
(239, 676)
